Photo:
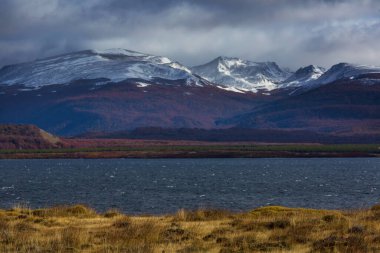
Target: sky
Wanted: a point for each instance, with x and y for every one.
(293, 33)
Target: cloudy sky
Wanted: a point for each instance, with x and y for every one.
(291, 32)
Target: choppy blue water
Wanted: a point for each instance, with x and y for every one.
(165, 185)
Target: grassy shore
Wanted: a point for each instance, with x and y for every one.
(267, 229)
(200, 151)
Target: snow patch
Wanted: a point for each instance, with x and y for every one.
(26, 89)
(233, 89)
(142, 85)
(118, 51)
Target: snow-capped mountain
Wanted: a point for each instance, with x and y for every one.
(346, 71)
(241, 74)
(113, 64)
(340, 71)
(228, 73)
(303, 76)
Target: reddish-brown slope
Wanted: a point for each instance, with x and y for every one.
(26, 137)
(85, 107)
(341, 108)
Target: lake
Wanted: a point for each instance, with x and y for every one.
(157, 186)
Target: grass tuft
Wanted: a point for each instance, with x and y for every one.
(78, 211)
(112, 213)
(201, 215)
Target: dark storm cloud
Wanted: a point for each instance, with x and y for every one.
(291, 32)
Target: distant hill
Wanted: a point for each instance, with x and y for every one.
(236, 135)
(27, 137)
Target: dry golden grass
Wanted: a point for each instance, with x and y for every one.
(268, 229)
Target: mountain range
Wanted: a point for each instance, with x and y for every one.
(105, 91)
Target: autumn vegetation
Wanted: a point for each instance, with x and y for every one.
(267, 229)
(28, 141)
(29, 137)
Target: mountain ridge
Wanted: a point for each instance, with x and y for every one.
(229, 73)
(114, 64)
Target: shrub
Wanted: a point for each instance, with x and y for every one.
(201, 215)
(112, 213)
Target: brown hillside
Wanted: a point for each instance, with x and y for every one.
(26, 137)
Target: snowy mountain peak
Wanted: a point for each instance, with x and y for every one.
(303, 76)
(234, 62)
(242, 74)
(346, 71)
(113, 64)
(231, 61)
(340, 71)
(312, 69)
(117, 51)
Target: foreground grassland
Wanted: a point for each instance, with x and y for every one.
(201, 151)
(267, 229)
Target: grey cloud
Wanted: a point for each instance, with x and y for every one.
(291, 32)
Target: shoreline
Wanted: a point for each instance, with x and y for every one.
(200, 151)
(183, 156)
